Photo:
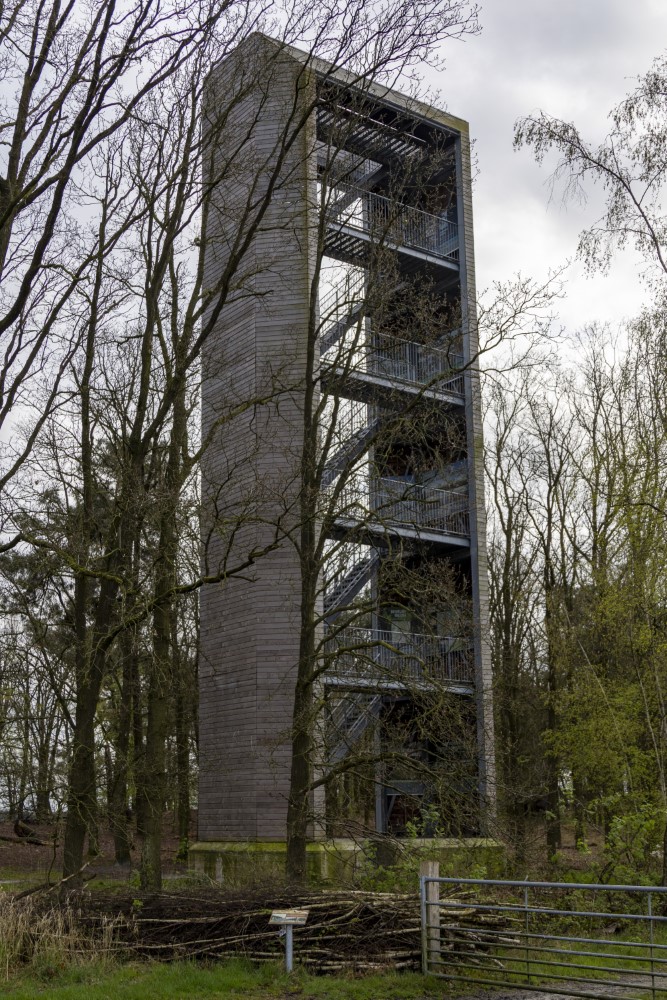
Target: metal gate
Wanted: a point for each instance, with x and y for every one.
(570, 939)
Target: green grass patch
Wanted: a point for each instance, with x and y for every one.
(12, 881)
(145, 981)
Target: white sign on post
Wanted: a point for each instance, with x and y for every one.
(287, 920)
(296, 918)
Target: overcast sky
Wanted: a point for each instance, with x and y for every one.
(574, 59)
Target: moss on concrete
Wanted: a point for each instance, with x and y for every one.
(235, 863)
(337, 861)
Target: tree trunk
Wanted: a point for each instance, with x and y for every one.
(81, 797)
(553, 827)
(43, 785)
(89, 655)
(81, 805)
(138, 806)
(153, 771)
(181, 726)
(579, 812)
(309, 565)
(94, 828)
(154, 780)
(119, 771)
(161, 675)
(298, 811)
(300, 782)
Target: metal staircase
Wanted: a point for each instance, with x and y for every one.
(349, 721)
(345, 587)
(366, 661)
(353, 431)
(339, 328)
(340, 309)
(384, 356)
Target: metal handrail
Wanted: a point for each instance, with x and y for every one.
(350, 707)
(400, 360)
(350, 437)
(347, 558)
(353, 419)
(342, 298)
(414, 363)
(397, 502)
(384, 354)
(422, 506)
(395, 221)
(409, 656)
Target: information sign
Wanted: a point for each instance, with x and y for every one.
(296, 918)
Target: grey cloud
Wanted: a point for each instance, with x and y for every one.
(574, 59)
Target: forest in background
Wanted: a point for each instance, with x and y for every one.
(102, 325)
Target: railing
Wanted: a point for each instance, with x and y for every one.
(349, 719)
(350, 421)
(415, 364)
(569, 939)
(348, 707)
(398, 360)
(422, 506)
(352, 434)
(343, 564)
(385, 355)
(387, 219)
(375, 655)
(340, 300)
(394, 502)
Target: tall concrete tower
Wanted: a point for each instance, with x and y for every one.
(342, 235)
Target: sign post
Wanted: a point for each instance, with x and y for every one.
(431, 870)
(287, 920)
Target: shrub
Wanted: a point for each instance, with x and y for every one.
(49, 939)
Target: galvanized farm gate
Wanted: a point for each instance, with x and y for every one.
(574, 940)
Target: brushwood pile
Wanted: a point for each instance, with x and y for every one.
(345, 931)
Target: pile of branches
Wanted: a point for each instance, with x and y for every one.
(346, 930)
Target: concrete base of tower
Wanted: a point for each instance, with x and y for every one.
(338, 861)
(243, 862)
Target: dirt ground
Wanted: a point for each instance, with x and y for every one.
(20, 860)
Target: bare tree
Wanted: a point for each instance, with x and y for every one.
(630, 163)
(74, 76)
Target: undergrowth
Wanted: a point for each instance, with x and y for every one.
(48, 940)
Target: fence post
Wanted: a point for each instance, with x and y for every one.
(422, 910)
(651, 938)
(526, 938)
(431, 870)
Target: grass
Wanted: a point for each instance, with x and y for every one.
(17, 879)
(234, 979)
